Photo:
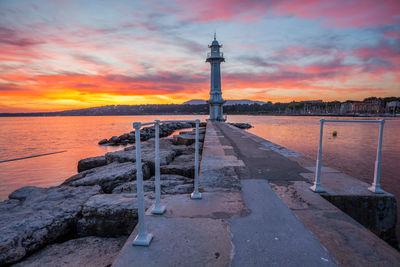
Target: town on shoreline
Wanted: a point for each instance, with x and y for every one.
(371, 106)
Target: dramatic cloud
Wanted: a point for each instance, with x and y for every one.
(71, 54)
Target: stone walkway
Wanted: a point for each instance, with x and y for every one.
(241, 221)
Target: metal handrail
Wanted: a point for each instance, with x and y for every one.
(375, 187)
(143, 238)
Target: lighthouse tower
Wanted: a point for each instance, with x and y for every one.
(215, 57)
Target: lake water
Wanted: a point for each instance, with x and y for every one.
(353, 151)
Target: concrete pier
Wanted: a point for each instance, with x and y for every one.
(257, 210)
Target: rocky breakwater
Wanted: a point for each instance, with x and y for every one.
(166, 129)
(93, 207)
(241, 125)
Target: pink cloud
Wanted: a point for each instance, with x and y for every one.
(340, 13)
(343, 13)
(209, 10)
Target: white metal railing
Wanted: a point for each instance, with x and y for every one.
(375, 187)
(143, 238)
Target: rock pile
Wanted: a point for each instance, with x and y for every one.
(241, 125)
(98, 201)
(146, 133)
(33, 217)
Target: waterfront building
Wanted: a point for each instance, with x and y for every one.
(215, 57)
(392, 107)
(346, 107)
(368, 106)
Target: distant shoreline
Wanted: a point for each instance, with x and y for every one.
(13, 115)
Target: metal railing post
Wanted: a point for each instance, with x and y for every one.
(142, 239)
(196, 194)
(158, 208)
(317, 186)
(376, 188)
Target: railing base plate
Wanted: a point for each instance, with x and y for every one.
(143, 241)
(376, 190)
(317, 189)
(158, 210)
(195, 195)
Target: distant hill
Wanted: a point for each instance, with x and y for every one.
(228, 102)
(195, 102)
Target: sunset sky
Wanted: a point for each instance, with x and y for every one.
(58, 55)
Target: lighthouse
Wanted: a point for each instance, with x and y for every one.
(215, 57)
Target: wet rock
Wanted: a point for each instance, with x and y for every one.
(241, 125)
(90, 163)
(123, 137)
(84, 251)
(42, 216)
(113, 140)
(147, 133)
(103, 141)
(108, 176)
(109, 215)
(181, 165)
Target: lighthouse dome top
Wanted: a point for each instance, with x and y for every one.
(215, 42)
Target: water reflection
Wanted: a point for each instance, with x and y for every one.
(20, 137)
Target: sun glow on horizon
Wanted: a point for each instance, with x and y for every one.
(112, 54)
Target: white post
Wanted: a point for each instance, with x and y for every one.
(196, 194)
(142, 239)
(158, 208)
(376, 188)
(317, 186)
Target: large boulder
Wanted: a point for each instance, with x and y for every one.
(90, 163)
(131, 187)
(84, 251)
(108, 176)
(109, 215)
(34, 217)
(184, 139)
(181, 165)
(167, 153)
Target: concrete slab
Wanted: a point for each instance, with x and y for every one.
(347, 241)
(271, 234)
(218, 170)
(323, 169)
(350, 243)
(297, 196)
(261, 163)
(337, 183)
(180, 242)
(216, 205)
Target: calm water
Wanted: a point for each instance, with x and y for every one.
(353, 151)
(21, 137)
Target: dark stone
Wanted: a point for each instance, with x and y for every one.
(90, 163)
(103, 141)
